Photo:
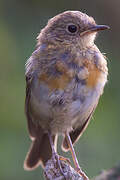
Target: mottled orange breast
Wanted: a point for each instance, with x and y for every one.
(55, 82)
(94, 73)
(58, 82)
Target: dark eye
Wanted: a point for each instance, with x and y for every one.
(72, 28)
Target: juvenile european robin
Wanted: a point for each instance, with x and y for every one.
(65, 77)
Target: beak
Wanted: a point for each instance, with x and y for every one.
(95, 28)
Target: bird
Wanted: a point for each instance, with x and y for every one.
(65, 77)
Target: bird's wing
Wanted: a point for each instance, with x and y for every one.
(32, 127)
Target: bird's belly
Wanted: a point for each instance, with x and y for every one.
(75, 113)
(58, 117)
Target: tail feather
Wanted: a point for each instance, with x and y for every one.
(39, 153)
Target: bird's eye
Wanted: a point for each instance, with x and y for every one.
(72, 28)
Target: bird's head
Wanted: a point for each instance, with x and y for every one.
(72, 28)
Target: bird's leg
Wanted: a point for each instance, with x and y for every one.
(74, 157)
(55, 156)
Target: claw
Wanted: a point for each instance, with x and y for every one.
(57, 159)
(82, 173)
(61, 158)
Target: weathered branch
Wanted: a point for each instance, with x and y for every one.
(52, 172)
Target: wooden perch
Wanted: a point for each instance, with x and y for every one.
(52, 172)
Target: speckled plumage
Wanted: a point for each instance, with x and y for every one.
(65, 77)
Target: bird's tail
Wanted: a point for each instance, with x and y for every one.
(39, 153)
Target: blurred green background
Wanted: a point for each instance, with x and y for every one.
(20, 23)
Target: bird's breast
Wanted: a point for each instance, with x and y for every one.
(94, 74)
(63, 74)
(60, 77)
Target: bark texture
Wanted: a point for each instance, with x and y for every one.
(52, 172)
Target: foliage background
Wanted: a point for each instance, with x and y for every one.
(20, 22)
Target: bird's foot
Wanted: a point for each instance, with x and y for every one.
(57, 159)
(81, 173)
